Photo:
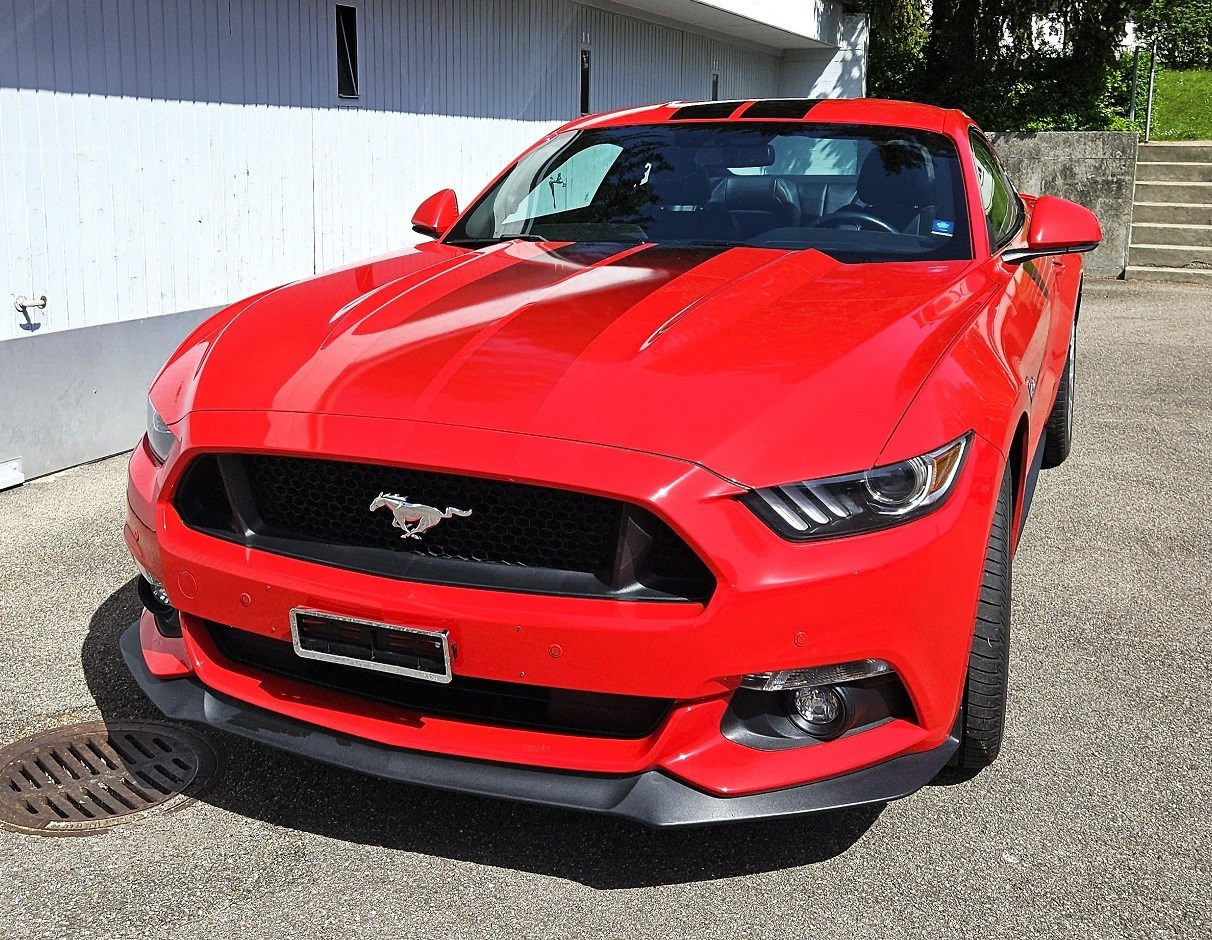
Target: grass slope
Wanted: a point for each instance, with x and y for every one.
(1182, 106)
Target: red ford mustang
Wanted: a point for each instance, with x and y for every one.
(678, 478)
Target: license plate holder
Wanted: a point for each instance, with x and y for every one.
(369, 644)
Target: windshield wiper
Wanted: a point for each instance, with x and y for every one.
(520, 237)
(706, 243)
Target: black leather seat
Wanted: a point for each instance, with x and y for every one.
(895, 185)
(683, 209)
(821, 194)
(757, 204)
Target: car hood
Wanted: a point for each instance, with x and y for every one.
(762, 365)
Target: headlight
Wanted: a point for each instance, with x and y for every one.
(861, 502)
(160, 439)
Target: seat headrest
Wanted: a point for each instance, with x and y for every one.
(755, 193)
(896, 173)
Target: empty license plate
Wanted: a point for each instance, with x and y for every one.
(384, 647)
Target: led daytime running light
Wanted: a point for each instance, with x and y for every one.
(836, 674)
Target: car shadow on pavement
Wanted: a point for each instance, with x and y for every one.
(596, 851)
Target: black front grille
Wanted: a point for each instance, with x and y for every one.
(516, 536)
(510, 523)
(508, 704)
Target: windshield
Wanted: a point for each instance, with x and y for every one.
(859, 194)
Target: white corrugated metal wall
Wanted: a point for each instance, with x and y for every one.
(166, 156)
(674, 64)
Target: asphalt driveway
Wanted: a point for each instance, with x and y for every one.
(1093, 824)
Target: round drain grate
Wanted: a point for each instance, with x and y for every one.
(82, 778)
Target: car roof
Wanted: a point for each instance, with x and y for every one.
(879, 111)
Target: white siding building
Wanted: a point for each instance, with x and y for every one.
(161, 158)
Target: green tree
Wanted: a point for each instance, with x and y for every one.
(1183, 29)
(1011, 64)
(898, 34)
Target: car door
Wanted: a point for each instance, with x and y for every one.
(1026, 317)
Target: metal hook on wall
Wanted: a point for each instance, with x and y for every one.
(25, 306)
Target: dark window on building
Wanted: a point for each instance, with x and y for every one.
(347, 51)
(715, 86)
(584, 81)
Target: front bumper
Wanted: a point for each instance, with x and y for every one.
(907, 596)
(650, 797)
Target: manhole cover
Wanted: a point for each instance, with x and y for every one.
(82, 778)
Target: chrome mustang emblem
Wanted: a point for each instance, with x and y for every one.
(413, 518)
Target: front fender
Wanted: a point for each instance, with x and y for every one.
(972, 388)
(172, 388)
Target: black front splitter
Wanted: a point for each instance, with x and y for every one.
(652, 797)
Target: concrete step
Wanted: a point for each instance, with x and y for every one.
(1135, 272)
(1170, 256)
(1164, 233)
(1173, 172)
(1180, 151)
(1174, 192)
(1172, 213)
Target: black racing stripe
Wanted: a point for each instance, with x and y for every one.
(1033, 273)
(786, 108)
(706, 111)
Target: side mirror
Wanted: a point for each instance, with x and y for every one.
(1058, 227)
(436, 214)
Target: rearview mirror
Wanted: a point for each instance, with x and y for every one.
(1058, 227)
(436, 214)
(737, 156)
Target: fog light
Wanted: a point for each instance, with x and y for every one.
(154, 596)
(155, 599)
(160, 594)
(819, 710)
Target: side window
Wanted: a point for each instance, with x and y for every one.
(571, 185)
(998, 197)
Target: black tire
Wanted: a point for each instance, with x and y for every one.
(1058, 431)
(983, 710)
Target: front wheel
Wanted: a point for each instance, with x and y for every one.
(983, 710)
(1058, 431)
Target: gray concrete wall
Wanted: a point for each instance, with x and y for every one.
(1095, 168)
(80, 395)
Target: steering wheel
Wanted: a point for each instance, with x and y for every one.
(856, 216)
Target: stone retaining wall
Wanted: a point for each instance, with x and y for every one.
(1095, 168)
